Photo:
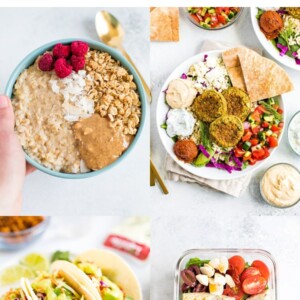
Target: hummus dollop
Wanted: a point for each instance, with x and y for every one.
(181, 93)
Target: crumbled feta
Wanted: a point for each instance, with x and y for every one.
(209, 74)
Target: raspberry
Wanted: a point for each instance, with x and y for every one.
(46, 62)
(78, 62)
(79, 48)
(61, 50)
(62, 68)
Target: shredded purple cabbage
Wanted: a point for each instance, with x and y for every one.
(237, 161)
(183, 76)
(205, 58)
(282, 11)
(297, 61)
(165, 91)
(283, 49)
(204, 151)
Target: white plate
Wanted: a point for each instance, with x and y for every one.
(162, 110)
(268, 46)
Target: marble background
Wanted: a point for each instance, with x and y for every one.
(120, 189)
(190, 198)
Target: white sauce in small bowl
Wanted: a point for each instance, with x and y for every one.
(294, 133)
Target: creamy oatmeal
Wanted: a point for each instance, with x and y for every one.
(76, 113)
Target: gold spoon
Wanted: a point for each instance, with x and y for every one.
(110, 32)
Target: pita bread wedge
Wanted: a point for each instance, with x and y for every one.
(164, 24)
(263, 77)
(233, 66)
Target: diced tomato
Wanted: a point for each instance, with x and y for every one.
(265, 124)
(214, 21)
(281, 125)
(254, 141)
(255, 116)
(260, 109)
(237, 263)
(221, 19)
(239, 152)
(252, 161)
(258, 154)
(235, 292)
(247, 136)
(262, 267)
(256, 129)
(252, 271)
(267, 153)
(254, 285)
(275, 128)
(195, 17)
(275, 106)
(280, 111)
(246, 158)
(273, 142)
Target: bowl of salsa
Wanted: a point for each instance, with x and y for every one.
(213, 18)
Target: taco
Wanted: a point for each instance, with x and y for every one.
(22, 293)
(110, 275)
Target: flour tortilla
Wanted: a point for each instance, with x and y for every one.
(260, 77)
(77, 279)
(116, 269)
(263, 77)
(164, 24)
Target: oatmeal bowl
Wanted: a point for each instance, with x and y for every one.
(79, 107)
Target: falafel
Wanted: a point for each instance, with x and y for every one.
(186, 150)
(226, 131)
(209, 106)
(238, 102)
(271, 24)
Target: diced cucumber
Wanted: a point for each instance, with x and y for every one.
(246, 146)
(271, 101)
(203, 12)
(269, 118)
(204, 25)
(211, 11)
(277, 122)
(207, 20)
(231, 15)
(269, 133)
(247, 154)
(262, 136)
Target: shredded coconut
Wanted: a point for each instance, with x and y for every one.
(76, 103)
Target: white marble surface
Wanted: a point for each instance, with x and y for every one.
(78, 235)
(118, 190)
(277, 235)
(190, 198)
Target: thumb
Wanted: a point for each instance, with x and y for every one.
(6, 115)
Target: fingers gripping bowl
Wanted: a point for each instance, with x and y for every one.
(89, 117)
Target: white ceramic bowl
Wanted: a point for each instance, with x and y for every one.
(268, 46)
(162, 110)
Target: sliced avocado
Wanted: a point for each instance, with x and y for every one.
(112, 291)
(202, 160)
(89, 268)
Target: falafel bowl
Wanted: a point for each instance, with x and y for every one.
(212, 128)
(278, 30)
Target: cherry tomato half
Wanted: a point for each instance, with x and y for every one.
(237, 263)
(254, 285)
(262, 267)
(235, 292)
(273, 142)
(252, 271)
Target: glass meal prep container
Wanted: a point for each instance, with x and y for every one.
(248, 254)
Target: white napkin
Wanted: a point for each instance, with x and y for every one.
(233, 187)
